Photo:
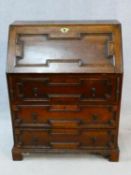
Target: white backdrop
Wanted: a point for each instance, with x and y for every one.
(11, 10)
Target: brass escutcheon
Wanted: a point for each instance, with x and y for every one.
(64, 30)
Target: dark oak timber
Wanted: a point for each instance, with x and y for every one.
(65, 82)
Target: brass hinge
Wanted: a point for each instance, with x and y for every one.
(110, 49)
(19, 48)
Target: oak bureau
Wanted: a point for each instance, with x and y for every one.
(65, 82)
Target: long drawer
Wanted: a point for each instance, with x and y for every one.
(65, 116)
(63, 89)
(65, 138)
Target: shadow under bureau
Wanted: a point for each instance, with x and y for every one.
(64, 82)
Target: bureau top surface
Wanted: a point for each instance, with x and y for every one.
(65, 47)
(71, 22)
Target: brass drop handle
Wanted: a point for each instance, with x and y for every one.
(94, 117)
(34, 141)
(110, 122)
(93, 90)
(34, 117)
(93, 140)
(35, 91)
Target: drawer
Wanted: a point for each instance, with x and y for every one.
(65, 139)
(65, 116)
(66, 89)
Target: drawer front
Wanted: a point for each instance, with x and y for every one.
(64, 89)
(65, 139)
(64, 116)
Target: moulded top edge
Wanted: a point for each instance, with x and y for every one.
(71, 22)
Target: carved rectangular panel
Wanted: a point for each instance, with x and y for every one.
(81, 51)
